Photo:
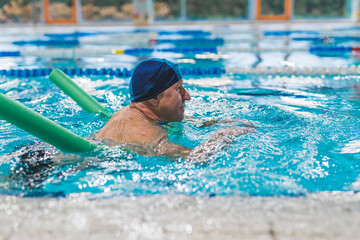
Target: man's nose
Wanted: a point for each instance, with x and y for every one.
(186, 95)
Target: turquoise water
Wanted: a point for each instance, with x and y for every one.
(307, 140)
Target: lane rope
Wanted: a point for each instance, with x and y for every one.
(77, 52)
(187, 71)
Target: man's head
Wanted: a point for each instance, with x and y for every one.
(158, 84)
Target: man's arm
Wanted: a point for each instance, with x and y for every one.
(171, 149)
(200, 153)
(202, 124)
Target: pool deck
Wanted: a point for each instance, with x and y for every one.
(324, 215)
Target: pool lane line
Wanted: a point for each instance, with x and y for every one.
(142, 32)
(74, 52)
(191, 71)
(41, 127)
(69, 87)
(70, 42)
(117, 72)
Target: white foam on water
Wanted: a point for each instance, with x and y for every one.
(351, 147)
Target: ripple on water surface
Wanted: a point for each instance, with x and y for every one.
(306, 141)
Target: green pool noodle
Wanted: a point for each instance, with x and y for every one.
(41, 127)
(69, 87)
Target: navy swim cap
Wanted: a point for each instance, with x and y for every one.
(151, 77)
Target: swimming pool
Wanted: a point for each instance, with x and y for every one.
(307, 137)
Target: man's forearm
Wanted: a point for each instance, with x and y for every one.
(219, 140)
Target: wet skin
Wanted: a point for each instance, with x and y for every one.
(138, 125)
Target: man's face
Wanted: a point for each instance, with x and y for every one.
(172, 103)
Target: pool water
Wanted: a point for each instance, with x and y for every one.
(307, 139)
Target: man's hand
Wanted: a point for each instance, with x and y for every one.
(228, 134)
(219, 140)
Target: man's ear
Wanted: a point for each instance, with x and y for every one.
(154, 101)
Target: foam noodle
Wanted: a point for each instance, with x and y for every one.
(41, 127)
(77, 94)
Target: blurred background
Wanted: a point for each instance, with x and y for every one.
(153, 11)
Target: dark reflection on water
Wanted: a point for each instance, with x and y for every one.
(32, 169)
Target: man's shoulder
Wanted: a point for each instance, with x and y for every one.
(150, 130)
(126, 127)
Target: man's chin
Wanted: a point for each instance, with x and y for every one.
(179, 119)
(182, 116)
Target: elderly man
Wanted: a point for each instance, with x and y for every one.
(158, 97)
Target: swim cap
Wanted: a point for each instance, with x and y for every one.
(151, 77)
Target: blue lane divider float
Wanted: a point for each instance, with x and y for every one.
(70, 35)
(141, 51)
(148, 51)
(180, 32)
(158, 32)
(347, 28)
(200, 41)
(308, 38)
(186, 32)
(10, 54)
(26, 72)
(287, 33)
(136, 51)
(323, 38)
(334, 49)
(71, 42)
(203, 71)
(190, 41)
(117, 72)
